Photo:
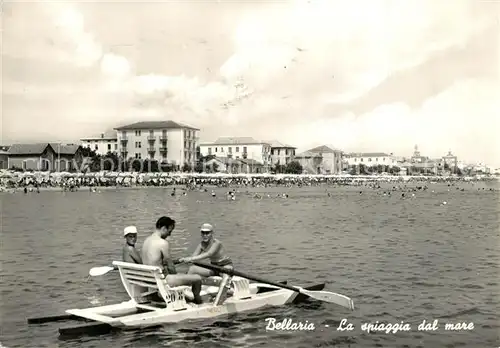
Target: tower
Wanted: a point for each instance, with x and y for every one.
(416, 153)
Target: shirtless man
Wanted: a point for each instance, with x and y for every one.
(130, 253)
(156, 252)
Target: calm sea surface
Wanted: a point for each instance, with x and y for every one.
(400, 259)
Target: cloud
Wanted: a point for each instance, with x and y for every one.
(301, 71)
(463, 118)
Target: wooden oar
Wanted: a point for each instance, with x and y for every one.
(326, 296)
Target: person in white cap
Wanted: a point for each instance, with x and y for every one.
(130, 253)
(211, 249)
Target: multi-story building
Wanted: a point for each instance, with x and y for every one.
(417, 157)
(281, 154)
(450, 159)
(371, 159)
(321, 160)
(103, 144)
(163, 141)
(239, 147)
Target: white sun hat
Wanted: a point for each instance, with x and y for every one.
(130, 230)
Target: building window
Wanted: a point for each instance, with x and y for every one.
(216, 149)
(137, 144)
(355, 159)
(230, 149)
(369, 159)
(209, 150)
(361, 160)
(244, 149)
(237, 149)
(96, 147)
(151, 132)
(137, 133)
(138, 155)
(116, 146)
(124, 134)
(383, 159)
(221, 149)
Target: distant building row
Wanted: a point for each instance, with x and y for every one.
(174, 142)
(178, 143)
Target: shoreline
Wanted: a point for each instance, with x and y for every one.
(137, 181)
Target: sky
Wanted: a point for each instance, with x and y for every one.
(360, 76)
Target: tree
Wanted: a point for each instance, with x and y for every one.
(150, 166)
(279, 168)
(380, 168)
(210, 168)
(294, 167)
(457, 171)
(353, 169)
(394, 170)
(88, 152)
(200, 165)
(135, 164)
(110, 161)
(363, 169)
(167, 167)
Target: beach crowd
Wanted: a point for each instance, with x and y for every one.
(13, 181)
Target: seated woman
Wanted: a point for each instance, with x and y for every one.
(209, 248)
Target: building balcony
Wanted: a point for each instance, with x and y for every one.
(151, 138)
(124, 139)
(163, 138)
(151, 149)
(163, 149)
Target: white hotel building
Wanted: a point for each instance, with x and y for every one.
(239, 147)
(103, 144)
(163, 141)
(370, 159)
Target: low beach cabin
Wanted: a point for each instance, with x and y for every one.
(32, 157)
(4, 157)
(68, 157)
(321, 160)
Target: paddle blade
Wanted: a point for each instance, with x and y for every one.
(331, 297)
(99, 271)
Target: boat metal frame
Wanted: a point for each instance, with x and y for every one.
(142, 281)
